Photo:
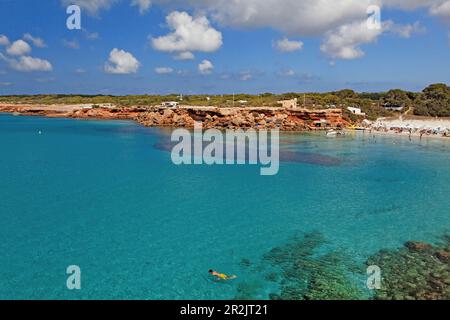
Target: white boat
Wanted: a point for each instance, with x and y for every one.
(332, 133)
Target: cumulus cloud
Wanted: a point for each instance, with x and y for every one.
(163, 70)
(441, 10)
(121, 62)
(18, 48)
(188, 34)
(144, 5)
(94, 6)
(4, 41)
(37, 42)
(27, 64)
(184, 56)
(345, 41)
(91, 6)
(410, 4)
(205, 67)
(286, 45)
(404, 31)
(293, 17)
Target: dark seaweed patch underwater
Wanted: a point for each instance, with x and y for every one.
(418, 271)
(301, 270)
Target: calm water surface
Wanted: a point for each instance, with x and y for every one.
(104, 196)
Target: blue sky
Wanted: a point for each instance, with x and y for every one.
(239, 45)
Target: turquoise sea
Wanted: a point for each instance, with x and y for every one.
(104, 195)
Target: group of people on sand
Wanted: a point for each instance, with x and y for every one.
(439, 132)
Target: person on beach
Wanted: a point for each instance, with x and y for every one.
(221, 276)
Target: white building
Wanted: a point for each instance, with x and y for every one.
(170, 104)
(356, 111)
(288, 104)
(399, 109)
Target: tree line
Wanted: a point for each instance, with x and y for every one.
(434, 100)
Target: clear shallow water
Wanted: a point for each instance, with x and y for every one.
(100, 195)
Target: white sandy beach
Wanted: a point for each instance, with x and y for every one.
(413, 126)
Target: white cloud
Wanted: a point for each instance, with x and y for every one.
(144, 5)
(345, 41)
(72, 44)
(436, 8)
(91, 6)
(286, 73)
(91, 35)
(18, 48)
(163, 70)
(189, 34)
(5, 84)
(184, 56)
(27, 64)
(80, 71)
(246, 75)
(37, 42)
(404, 31)
(121, 62)
(410, 4)
(94, 6)
(286, 45)
(205, 67)
(441, 10)
(4, 41)
(293, 17)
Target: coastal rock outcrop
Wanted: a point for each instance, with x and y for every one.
(294, 119)
(245, 118)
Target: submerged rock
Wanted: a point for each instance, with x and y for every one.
(443, 255)
(420, 271)
(304, 274)
(417, 246)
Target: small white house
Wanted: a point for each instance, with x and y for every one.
(170, 104)
(356, 111)
(288, 104)
(394, 108)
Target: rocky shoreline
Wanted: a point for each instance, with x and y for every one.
(285, 119)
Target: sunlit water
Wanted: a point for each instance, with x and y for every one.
(103, 196)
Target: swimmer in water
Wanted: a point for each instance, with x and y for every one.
(221, 276)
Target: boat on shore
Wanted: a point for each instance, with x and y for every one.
(334, 133)
(356, 128)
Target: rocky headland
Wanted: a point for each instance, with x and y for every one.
(285, 119)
